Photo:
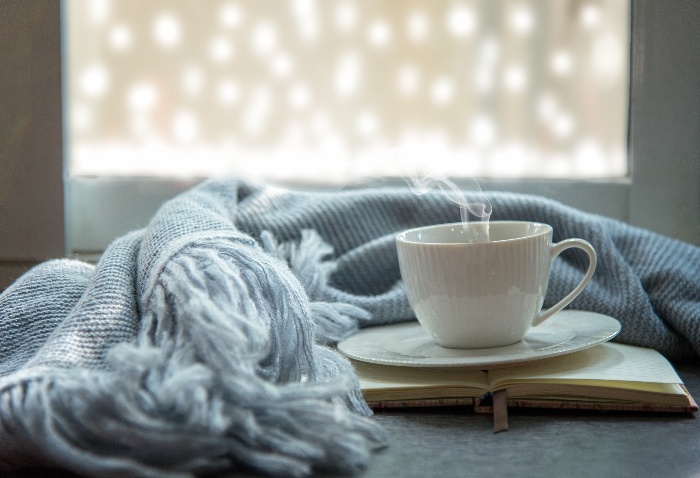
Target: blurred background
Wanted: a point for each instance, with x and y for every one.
(337, 91)
(108, 108)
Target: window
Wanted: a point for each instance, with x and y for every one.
(661, 192)
(340, 91)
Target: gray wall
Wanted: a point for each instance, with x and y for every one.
(31, 175)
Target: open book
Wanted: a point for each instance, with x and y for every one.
(607, 377)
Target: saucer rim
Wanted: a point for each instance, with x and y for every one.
(606, 329)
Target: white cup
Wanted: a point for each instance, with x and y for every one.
(471, 294)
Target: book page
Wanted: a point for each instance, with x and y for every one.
(376, 379)
(609, 362)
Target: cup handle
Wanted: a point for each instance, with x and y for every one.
(557, 249)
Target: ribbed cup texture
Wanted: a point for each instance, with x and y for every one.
(476, 295)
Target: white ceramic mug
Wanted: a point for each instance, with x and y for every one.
(471, 294)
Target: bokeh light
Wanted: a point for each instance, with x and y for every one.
(319, 91)
(167, 30)
(461, 21)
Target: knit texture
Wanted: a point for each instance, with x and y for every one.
(199, 344)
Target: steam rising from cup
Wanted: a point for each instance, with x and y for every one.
(478, 206)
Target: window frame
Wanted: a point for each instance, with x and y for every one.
(662, 192)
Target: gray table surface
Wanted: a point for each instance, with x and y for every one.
(451, 442)
(456, 442)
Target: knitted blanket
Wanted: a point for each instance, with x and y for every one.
(199, 344)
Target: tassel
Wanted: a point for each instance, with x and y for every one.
(223, 375)
(309, 262)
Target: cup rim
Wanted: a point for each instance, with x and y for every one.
(401, 236)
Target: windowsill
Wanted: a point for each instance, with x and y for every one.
(12, 270)
(129, 203)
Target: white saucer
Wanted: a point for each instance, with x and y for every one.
(408, 344)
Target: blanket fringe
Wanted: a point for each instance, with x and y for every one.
(225, 374)
(309, 261)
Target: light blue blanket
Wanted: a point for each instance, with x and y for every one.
(199, 343)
